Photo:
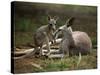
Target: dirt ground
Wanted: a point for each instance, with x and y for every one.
(25, 65)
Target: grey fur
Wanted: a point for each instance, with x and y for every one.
(82, 42)
(74, 42)
(44, 34)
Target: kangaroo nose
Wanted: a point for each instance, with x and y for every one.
(50, 24)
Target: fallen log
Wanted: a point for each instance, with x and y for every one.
(20, 57)
(25, 55)
(56, 56)
(29, 52)
(36, 65)
(25, 51)
(52, 50)
(51, 56)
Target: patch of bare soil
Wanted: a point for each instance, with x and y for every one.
(25, 65)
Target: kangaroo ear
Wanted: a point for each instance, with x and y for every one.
(49, 17)
(70, 21)
(56, 18)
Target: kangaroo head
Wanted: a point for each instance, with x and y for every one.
(52, 22)
(68, 23)
(64, 28)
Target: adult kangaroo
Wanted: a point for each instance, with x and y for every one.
(44, 34)
(73, 42)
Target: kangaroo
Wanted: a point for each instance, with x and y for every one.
(44, 34)
(74, 42)
(68, 24)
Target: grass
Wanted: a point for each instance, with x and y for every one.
(56, 65)
(69, 63)
(22, 39)
(94, 40)
(50, 65)
(27, 38)
(65, 64)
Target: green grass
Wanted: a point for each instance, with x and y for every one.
(24, 38)
(65, 64)
(56, 65)
(69, 63)
(94, 40)
(50, 65)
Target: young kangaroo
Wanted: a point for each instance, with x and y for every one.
(74, 42)
(44, 34)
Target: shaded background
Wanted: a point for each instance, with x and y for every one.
(30, 16)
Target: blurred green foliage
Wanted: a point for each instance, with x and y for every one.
(28, 17)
